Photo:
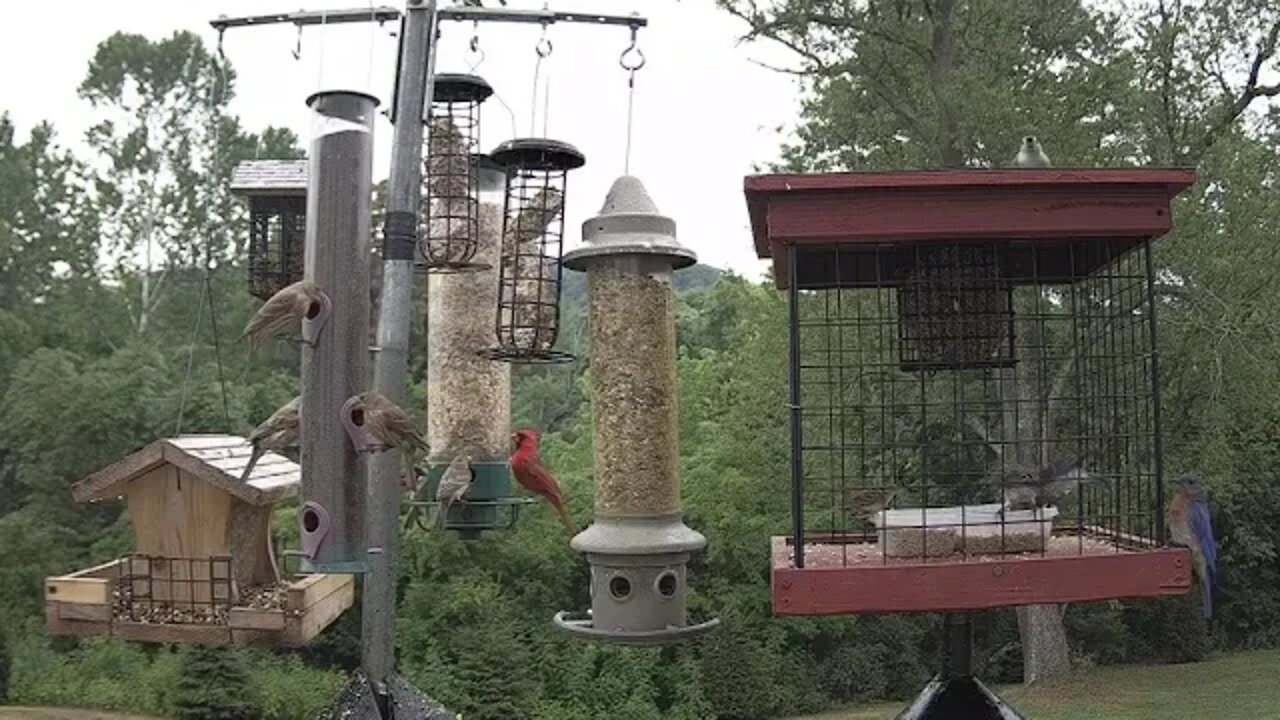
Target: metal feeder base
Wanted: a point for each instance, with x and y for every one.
(526, 357)
(582, 627)
(482, 509)
(958, 697)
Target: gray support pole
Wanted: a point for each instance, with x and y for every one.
(335, 358)
(391, 354)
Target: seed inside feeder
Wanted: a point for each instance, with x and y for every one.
(633, 349)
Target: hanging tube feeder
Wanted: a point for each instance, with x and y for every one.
(451, 235)
(638, 545)
(528, 321)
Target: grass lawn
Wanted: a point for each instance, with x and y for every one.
(1229, 687)
(10, 712)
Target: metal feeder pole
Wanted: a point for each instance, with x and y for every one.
(954, 692)
(400, 241)
(638, 546)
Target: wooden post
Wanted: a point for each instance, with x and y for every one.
(335, 360)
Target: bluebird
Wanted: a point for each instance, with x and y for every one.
(1190, 526)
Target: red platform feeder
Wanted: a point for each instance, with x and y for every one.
(974, 376)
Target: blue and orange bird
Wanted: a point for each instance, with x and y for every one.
(1190, 526)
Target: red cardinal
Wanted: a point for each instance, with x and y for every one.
(535, 478)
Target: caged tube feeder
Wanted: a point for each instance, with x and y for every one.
(974, 407)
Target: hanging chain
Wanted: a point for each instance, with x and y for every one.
(474, 55)
(543, 49)
(631, 60)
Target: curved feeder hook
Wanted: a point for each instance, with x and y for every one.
(315, 319)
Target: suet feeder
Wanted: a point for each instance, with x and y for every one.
(488, 505)
(276, 193)
(528, 321)
(638, 545)
(202, 569)
(452, 176)
(955, 338)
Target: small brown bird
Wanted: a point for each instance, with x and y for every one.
(284, 311)
(390, 425)
(454, 484)
(278, 432)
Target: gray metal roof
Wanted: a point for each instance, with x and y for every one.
(270, 177)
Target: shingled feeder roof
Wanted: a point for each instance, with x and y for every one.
(215, 459)
(270, 177)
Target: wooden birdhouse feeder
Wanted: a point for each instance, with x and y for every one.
(276, 191)
(958, 337)
(203, 569)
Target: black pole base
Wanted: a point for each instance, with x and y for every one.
(961, 697)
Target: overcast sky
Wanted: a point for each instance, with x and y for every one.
(704, 112)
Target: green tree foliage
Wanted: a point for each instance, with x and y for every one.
(214, 684)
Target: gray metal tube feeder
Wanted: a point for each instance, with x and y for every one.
(638, 545)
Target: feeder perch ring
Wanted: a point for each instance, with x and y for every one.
(451, 268)
(514, 502)
(583, 628)
(526, 357)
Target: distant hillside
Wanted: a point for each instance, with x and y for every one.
(691, 279)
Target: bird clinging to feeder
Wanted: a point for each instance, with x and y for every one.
(386, 423)
(1031, 154)
(1027, 489)
(283, 312)
(454, 485)
(277, 432)
(1191, 527)
(534, 477)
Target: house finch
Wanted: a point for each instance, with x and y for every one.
(454, 484)
(535, 478)
(278, 432)
(388, 424)
(1189, 524)
(1031, 155)
(1026, 489)
(284, 311)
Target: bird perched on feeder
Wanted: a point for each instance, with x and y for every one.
(535, 478)
(1027, 489)
(388, 424)
(284, 311)
(1190, 526)
(1031, 155)
(454, 485)
(277, 432)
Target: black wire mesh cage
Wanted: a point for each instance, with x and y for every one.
(529, 277)
(277, 240)
(276, 194)
(163, 589)
(962, 400)
(451, 236)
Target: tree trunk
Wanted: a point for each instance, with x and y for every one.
(1045, 654)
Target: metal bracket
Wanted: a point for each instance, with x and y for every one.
(312, 538)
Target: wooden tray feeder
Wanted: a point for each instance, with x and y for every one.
(951, 333)
(203, 569)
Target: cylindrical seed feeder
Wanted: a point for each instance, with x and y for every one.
(469, 397)
(638, 545)
(528, 321)
(452, 204)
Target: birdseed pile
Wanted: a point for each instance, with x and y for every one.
(130, 607)
(530, 273)
(451, 208)
(633, 386)
(468, 397)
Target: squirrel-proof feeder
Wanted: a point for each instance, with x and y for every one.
(638, 546)
(451, 175)
(528, 321)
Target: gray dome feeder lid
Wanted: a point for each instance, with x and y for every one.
(629, 224)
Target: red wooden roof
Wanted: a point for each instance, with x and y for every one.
(901, 207)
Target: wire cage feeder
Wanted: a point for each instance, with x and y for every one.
(451, 236)
(529, 276)
(276, 194)
(974, 387)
